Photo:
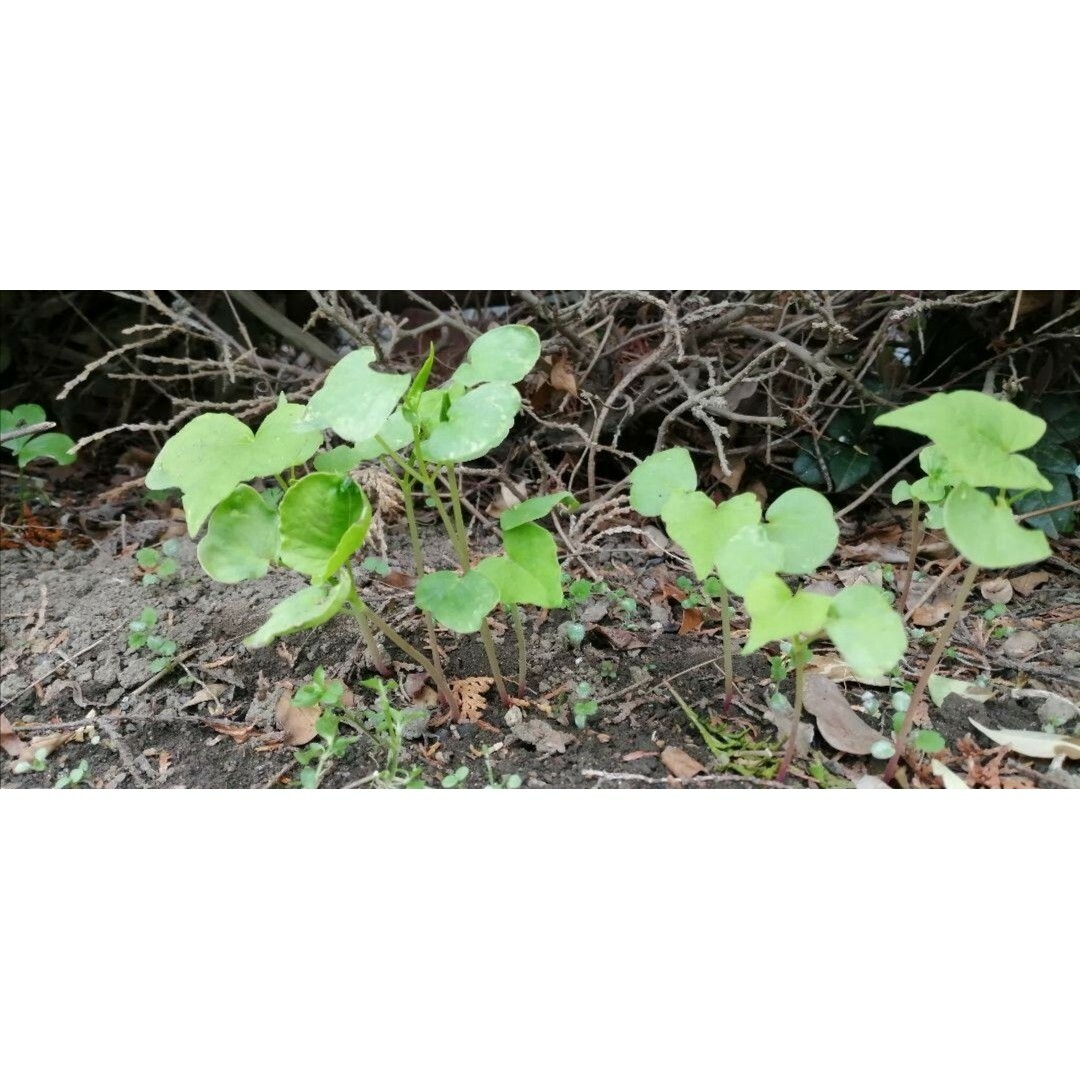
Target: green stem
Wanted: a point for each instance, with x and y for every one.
(799, 651)
(725, 629)
(519, 634)
(916, 538)
(398, 460)
(928, 670)
(378, 657)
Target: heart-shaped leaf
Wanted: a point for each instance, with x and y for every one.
(746, 556)
(356, 401)
(867, 630)
(475, 424)
(309, 607)
(801, 522)
(702, 528)
(51, 445)
(505, 354)
(459, 602)
(985, 532)
(324, 519)
(241, 538)
(281, 441)
(979, 435)
(535, 508)
(777, 615)
(20, 416)
(340, 460)
(659, 477)
(529, 571)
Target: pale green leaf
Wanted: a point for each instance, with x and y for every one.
(867, 630)
(535, 508)
(986, 533)
(505, 354)
(458, 602)
(659, 477)
(702, 528)
(303, 610)
(801, 522)
(341, 460)
(324, 519)
(746, 556)
(940, 687)
(281, 442)
(20, 416)
(475, 424)
(777, 615)
(51, 445)
(529, 571)
(241, 538)
(355, 401)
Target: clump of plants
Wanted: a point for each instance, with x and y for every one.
(157, 566)
(38, 443)
(142, 634)
(318, 517)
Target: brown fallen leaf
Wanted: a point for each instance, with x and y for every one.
(832, 667)
(470, 693)
(1026, 584)
(692, 619)
(296, 721)
(46, 743)
(1022, 643)
(932, 613)
(618, 638)
(869, 574)
(679, 763)
(209, 694)
(996, 591)
(838, 723)
(10, 740)
(562, 378)
(873, 552)
(536, 733)
(1034, 744)
(637, 755)
(239, 733)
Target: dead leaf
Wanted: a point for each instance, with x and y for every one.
(470, 693)
(861, 575)
(619, 638)
(1034, 744)
(948, 778)
(46, 743)
(873, 552)
(562, 378)
(732, 480)
(840, 727)
(1022, 643)
(1026, 584)
(10, 740)
(679, 763)
(941, 687)
(996, 591)
(936, 611)
(871, 783)
(637, 755)
(692, 619)
(296, 721)
(832, 667)
(239, 733)
(536, 733)
(209, 693)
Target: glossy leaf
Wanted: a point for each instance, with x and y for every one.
(778, 615)
(355, 400)
(529, 571)
(241, 538)
(458, 602)
(979, 435)
(324, 519)
(660, 476)
(866, 630)
(309, 607)
(986, 533)
(535, 508)
(505, 354)
(702, 528)
(475, 424)
(801, 522)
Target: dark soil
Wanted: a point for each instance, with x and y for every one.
(211, 722)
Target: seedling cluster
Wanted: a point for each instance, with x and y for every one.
(142, 636)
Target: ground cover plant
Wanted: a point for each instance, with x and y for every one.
(513, 556)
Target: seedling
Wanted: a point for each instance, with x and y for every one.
(156, 566)
(324, 753)
(317, 691)
(40, 443)
(975, 444)
(322, 518)
(77, 775)
(509, 782)
(35, 764)
(457, 777)
(390, 725)
(142, 636)
(583, 704)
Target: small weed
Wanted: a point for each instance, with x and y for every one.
(157, 566)
(317, 758)
(389, 725)
(142, 636)
(583, 706)
(456, 778)
(35, 764)
(77, 775)
(512, 781)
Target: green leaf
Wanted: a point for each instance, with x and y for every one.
(241, 539)
(867, 630)
(702, 528)
(901, 492)
(506, 354)
(801, 522)
(147, 557)
(342, 460)
(535, 508)
(309, 607)
(458, 602)
(20, 416)
(282, 441)
(324, 519)
(1057, 524)
(410, 404)
(777, 615)
(746, 556)
(476, 423)
(1062, 416)
(355, 401)
(50, 445)
(978, 434)
(529, 571)
(986, 533)
(929, 742)
(659, 477)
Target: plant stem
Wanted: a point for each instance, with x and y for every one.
(519, 634)
(928, 669)
(916, 537)
(378, 657)
(799, 652)
(725, 627)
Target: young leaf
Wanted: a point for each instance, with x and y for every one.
(323, 519)
(505, 354)
(50, 445)
(529, 571)
(281, 442)
(979, 435)
(746, 556)
(341, 460)
(986, 533)
(659, 477)
(475, 424)
(702, 528)
(20, 416)
(241, 539)
(309, 607)
(355, 400)
(147, 557)
(535, 508)
(458, 602)
(801, 521)
(867, 630)
(777, 615)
